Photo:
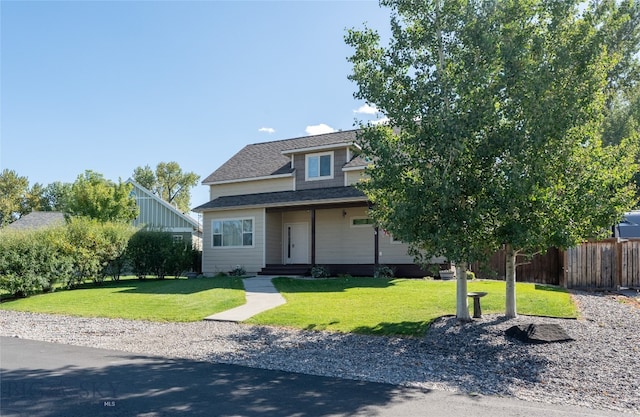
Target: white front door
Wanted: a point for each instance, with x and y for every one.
(296, 243)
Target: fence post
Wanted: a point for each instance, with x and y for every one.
(565, 272)
(618, 264)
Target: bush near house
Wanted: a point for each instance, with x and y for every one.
(35, 261)
(32, 261)
(93, 246)
(156, 253)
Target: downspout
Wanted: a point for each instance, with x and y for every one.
(313, 236)
(376, 247)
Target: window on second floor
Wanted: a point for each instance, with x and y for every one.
(319, 166)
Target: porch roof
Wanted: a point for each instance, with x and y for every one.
(286, 198)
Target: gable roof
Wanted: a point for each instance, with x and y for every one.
(38, 220)
(267, 159)
(164, 213)
(287, 198)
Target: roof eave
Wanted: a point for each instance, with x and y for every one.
(300, 203)
(267, 177)
(320, 148)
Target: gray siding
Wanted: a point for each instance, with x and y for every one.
(339, 160)
(159, 215)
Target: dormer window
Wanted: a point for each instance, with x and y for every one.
(319, 166)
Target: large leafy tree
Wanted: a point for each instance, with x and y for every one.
(56, 196)
(623, 121)
(97, 198)
(495, 121)
(168, 182)
(13, 192)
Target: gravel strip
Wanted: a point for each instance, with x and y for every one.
(600, 369)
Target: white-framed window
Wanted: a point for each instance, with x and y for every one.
(362, 221)
(319, 166)
(232, 233)
(178, 238)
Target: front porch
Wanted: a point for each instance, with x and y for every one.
(356, 270)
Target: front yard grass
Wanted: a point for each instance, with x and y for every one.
(359, 305)
(397, 306)
(151, 299)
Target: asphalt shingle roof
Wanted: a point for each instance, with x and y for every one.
(38, 220)
(282, 198)
(265, 159)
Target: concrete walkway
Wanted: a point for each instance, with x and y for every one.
(261, 296)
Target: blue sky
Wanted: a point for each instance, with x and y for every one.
(113, 85)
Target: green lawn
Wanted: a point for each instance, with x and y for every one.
(157, 300)
(397, 306)
(359, 305)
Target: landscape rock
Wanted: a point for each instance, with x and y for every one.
(539, 333)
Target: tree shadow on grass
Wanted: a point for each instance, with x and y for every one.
(296, 285)
(119, 384)
(181, 286)
(541, 287)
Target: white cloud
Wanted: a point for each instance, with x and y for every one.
(366, 109)
(267, 130)
(319, 129)
(383, 121)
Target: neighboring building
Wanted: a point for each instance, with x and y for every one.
(38, 220)
(630, 225)
(157, 214)
(280, 207)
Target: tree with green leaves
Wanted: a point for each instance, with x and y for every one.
(494, 137)
(168, 182)
(95, 197)
(13, 189)
(56, 196)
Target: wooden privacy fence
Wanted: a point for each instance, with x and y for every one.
(544, 268)
(603, 264)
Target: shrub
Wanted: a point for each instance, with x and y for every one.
(33, 261)
(383, 271)
(320, 271)
(93, 246)
(156, 253)
(180, 259)
(238, 271)
(471, 275)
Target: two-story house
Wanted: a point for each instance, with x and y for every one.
(280, 207)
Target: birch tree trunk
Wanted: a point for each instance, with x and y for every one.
(462, 305)
(510, 308)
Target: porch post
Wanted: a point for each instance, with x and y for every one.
(376, 246)
(313, 236)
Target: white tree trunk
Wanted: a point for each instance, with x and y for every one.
(510, 310)
(462, 305)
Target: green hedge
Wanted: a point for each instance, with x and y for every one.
(35, 260)
(94, 246)
(156, 253)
